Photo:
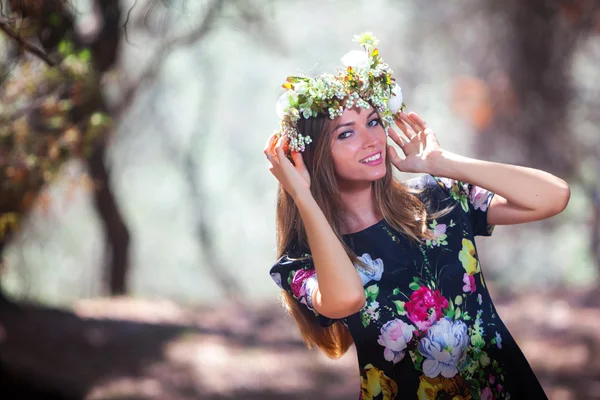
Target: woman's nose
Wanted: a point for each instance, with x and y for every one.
(370, 137)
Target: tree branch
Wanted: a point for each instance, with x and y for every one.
(185, 39)
(25, 44)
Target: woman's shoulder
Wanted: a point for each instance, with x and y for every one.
(431, 190)
(425, 181)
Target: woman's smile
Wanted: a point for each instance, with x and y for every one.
(374, 159)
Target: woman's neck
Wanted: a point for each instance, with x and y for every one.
(359, 211)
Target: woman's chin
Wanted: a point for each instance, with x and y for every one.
(379, 172)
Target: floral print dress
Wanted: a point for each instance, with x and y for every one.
(429, 329)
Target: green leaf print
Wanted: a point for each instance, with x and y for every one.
(463, 203)
(466, 316)
(458, 301)
(484, 359)
(477, 339)
(471, 368)
(400, 307)
(371, 292)
(396, 291)
(474, 388)
(365, 318)
(291, 277)
(417, 360)
(414, 286)
(449, 312)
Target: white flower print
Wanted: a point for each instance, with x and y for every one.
(372, 310)
(276, 276)
(478, 197)
(444, 347)
(395, 335)
(447, 182)
(376, 269)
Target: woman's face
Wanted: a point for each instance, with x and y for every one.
(358, 147)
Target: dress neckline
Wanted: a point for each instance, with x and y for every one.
(368, 228)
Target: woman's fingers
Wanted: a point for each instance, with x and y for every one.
(298, 160)
(414, 117)
(395, 159)
(404, 128)
(270, 141)
(280, 146)
(413, 126)
(400, 141)
(269, 151)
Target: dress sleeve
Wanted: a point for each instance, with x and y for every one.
(474, 201)
(297, 276)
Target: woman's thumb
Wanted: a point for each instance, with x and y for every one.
(394, 157)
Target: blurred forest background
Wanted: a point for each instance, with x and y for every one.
(137, 211)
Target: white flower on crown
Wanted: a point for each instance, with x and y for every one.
(356, 59)
(285, 101)
(366, 39)
(395, 102)
(368, 82)
(300, 87)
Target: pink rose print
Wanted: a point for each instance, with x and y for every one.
(298, 287)
(425, 307)
(469, 283)
(486, 394)
(395, 336)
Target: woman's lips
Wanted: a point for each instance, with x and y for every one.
(378, 159)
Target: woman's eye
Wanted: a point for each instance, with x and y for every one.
(377, 122)
(344, 135)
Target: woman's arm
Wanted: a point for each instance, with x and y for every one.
(340, 292)
(522, 194)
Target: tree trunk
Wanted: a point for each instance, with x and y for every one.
(105, 49)
(116, 233)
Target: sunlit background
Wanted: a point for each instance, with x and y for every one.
(138, 211)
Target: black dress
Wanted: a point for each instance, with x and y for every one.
(429, 329)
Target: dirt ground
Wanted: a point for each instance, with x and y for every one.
(126, 348)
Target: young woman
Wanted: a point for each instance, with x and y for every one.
(392, 266)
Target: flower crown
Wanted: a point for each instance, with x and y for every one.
(366, 80)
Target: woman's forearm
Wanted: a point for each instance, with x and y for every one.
(340, 292)
(529, 188)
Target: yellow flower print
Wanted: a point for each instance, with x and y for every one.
(453, 388)
(467, 257)
(374, 382)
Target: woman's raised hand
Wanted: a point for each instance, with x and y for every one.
(295, 179)
(420, 150)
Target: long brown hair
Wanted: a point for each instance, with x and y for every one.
(393, 199)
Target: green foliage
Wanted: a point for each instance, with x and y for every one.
(48, 115)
